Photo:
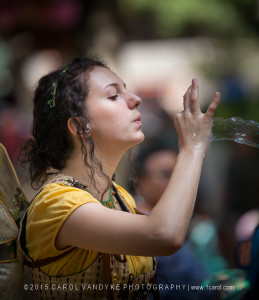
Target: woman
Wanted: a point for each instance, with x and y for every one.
(84, 121)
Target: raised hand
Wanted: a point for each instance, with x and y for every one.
(194, 127)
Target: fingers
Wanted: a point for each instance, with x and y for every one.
(214, 104)
(186, 99)
(191, 100)
(194, 99)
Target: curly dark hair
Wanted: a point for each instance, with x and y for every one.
(51, 142)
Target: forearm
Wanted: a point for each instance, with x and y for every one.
(171, 216)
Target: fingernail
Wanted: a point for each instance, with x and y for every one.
(195, 81)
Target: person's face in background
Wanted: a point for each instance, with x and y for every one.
(157, 172)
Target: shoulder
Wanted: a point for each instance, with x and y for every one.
(54, 204)
(47, 213)
(126, 197)
(55, 195)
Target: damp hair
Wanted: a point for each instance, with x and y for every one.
(51, 143)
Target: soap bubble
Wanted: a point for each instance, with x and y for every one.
(236, 129)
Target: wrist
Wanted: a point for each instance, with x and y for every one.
(193, 152)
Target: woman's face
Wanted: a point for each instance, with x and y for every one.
(114, 119)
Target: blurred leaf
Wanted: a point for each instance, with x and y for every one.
(177, 17)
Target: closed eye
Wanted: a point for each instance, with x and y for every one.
(114, 97)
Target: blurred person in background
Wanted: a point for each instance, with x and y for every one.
(13, 130)
(153, 168)
(81, 226)
(247, 250)
(244, 277)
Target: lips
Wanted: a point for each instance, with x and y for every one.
(138, 119)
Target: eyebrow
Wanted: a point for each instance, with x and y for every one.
(114, 84)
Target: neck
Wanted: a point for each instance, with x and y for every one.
(76, 168)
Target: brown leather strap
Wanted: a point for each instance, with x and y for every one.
(120, 200)
(27, 259)
(107, 273)
(118, 258)
(43, 262)
(107, 257)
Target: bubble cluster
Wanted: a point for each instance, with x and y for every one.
(236, 129)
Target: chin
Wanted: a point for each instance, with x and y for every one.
(137, 140)
(140, 139)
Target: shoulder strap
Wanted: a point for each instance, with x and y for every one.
(27, 259)
(122, 203)
(107, 257)
(60, 178)
(43, 262)
(107, 273)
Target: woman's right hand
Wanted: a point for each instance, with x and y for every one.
(193, 127)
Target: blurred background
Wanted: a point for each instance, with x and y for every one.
(156, 47)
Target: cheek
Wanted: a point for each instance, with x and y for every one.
(109, 116)
(105, 124)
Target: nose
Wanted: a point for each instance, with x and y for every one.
(133, 100)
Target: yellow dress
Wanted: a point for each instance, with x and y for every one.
(46, 214)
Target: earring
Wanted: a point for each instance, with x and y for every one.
(88, 132)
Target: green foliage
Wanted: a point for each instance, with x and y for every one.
(247, 110)
(187, 17)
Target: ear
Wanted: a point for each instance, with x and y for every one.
(71, 125)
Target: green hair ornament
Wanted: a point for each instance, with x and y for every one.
(52, 102)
